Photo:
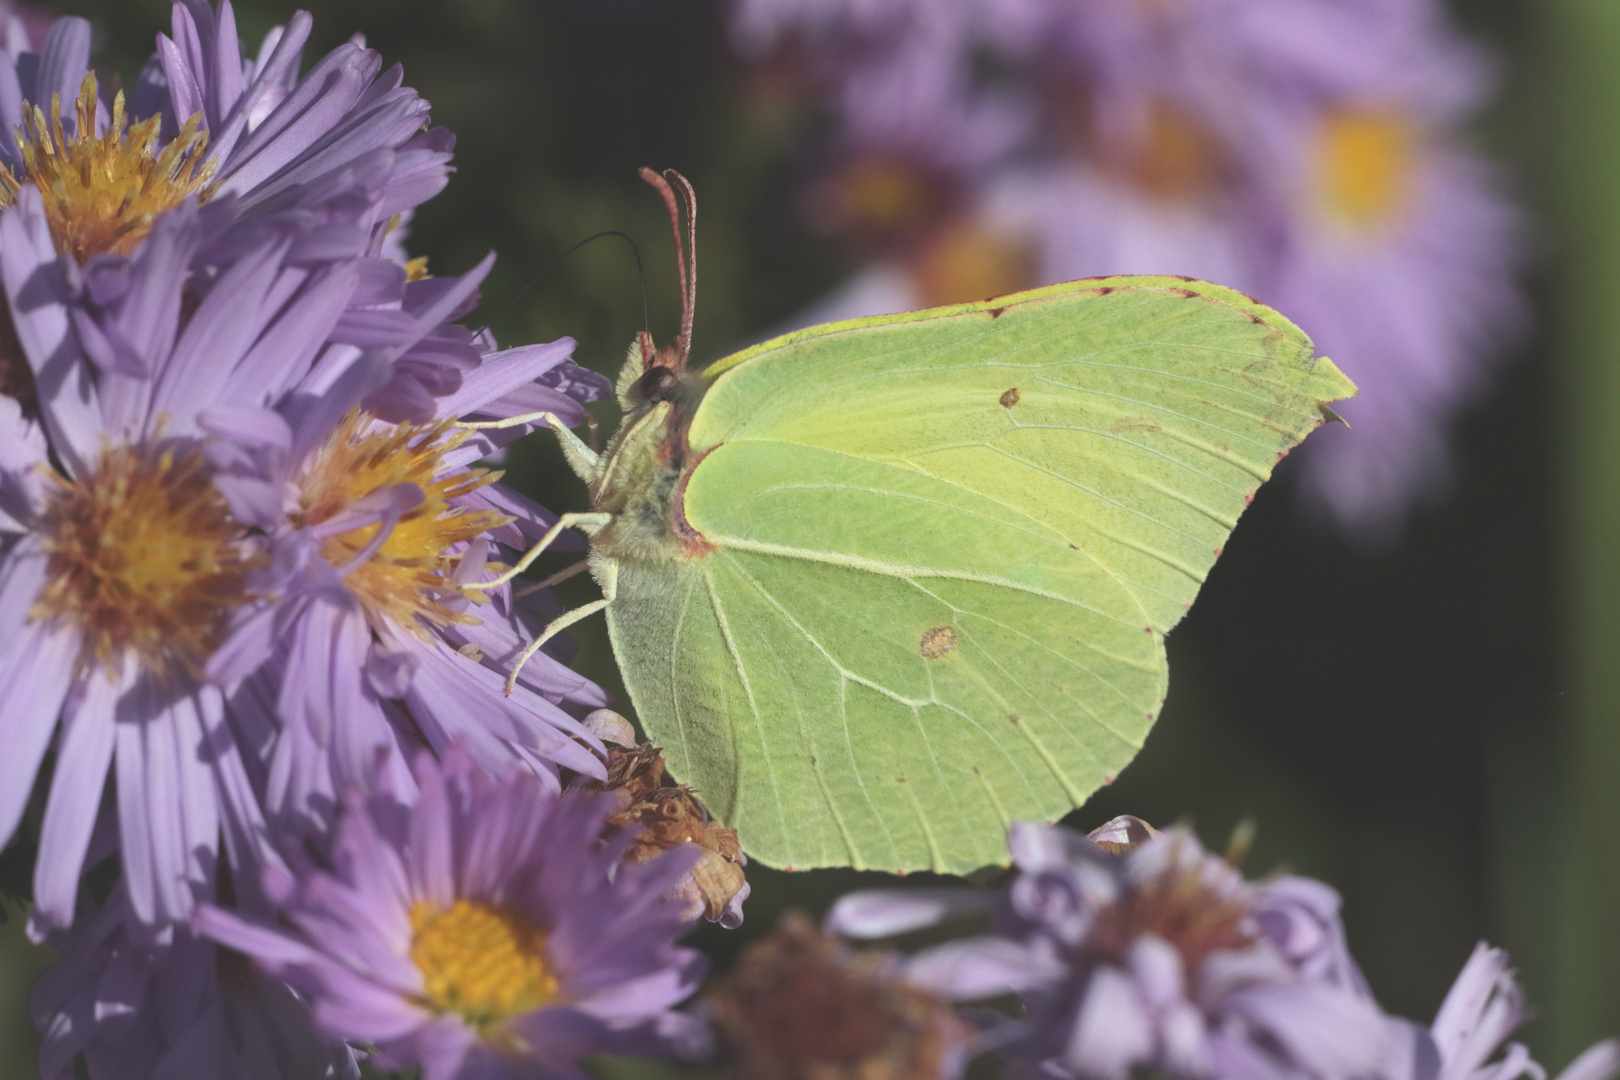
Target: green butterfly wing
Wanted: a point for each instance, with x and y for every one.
(948, 546)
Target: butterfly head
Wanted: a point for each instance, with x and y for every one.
(654, 373)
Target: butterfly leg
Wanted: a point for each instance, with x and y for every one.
(586, 462)
(585, 523)
(607, 573)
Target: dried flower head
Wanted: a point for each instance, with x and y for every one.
(799, 1005)
(667, 815)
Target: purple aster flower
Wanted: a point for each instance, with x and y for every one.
(1398, 250)
(1161, 958)
(125, 561)
(183, 1006)
(484, 931)
(1480, 1011)
(203, 121)
(370, 631)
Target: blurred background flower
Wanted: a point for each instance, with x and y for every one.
(1306, 151)
(1427, 722)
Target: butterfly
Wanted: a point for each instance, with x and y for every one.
(881, 587)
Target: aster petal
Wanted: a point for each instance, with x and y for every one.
(166, 807)
(147, 318)
(1600, 1061)
(567, 1033)
(36, 289)
(1471, 1022)
(313, 420)
(982, 967)
(224, 54)
(276, 951)
(22, 575)
(1112, 1031)
(315, 107)
(373, 866)
(1035, 847)
(361, 934)
(441, 1046)
(1411, 1054)
(36, 669)
(432, 866)
(85, 754)
(275, 72)
(381, 126)
(63, 62)
(150, 95)
(351, 1006)
(11, 106)
(286, 351)
(880, 913)
(503, 372)
(1329, 1032)
(185, 88)
(216, 336)
(449, 690)
(530, 520)
(634, 998)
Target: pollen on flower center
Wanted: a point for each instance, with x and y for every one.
(1364, 166)
(144, 558)
(480, 960)
(409, 579)
(103, 194)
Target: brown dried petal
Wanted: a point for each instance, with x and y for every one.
(667, 815)
(1121, 834)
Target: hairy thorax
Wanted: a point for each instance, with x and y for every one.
(642, 485)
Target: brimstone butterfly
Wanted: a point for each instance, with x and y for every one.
(883, 586)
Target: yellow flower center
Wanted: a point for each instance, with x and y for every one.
(1364, 166)
(480, 960)
(102, 195)
(410, 577)
(144, 558)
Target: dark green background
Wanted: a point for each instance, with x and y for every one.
(1432, 728)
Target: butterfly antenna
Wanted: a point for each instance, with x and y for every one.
(685, 254)
(539, 279)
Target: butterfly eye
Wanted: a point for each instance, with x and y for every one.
(658, 384)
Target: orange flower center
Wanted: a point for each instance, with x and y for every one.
(1364, 167)
(144, 558)
(410, 578)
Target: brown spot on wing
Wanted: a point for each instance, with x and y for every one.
(937, 642)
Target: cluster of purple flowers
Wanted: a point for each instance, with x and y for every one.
(1304, 151)
(247, 555)
(1133, 950)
